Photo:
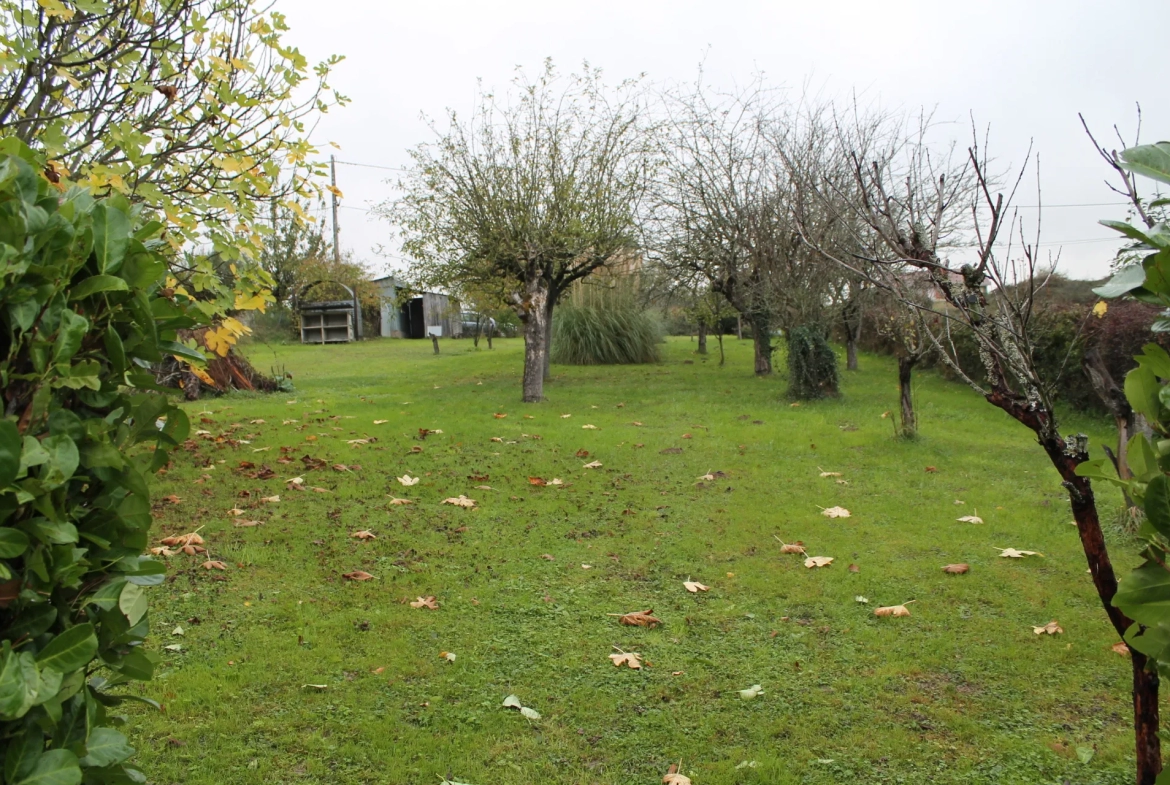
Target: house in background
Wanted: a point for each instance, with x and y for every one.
(420, 314)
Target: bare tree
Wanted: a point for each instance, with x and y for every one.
(537, 193)
(911, 199)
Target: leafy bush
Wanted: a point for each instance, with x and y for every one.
(83, 315)
(616, 334)
(812, 366)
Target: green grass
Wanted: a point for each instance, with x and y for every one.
(960, 692)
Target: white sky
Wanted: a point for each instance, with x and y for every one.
(1026, 67)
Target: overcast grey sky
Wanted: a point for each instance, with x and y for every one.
(1026, 67)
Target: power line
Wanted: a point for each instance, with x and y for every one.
(373, 166)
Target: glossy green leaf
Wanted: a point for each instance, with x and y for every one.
(133, 603)
(106, 747)
(69, 335)
(111, 237)
(1141, 390)
(19, 683)
(1150, 160)
(70, 650)
(13, 542)
(97, 284)
(55, 767)
(1124, 280)
(10, 445)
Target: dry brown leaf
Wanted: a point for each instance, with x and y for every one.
(818, 561)
(829, 474)
(632, 659)
(235, 512)
(425, 602)
(213, 565)
(270, 499)
(1051, 628)
(931, 470)
(357, 575)
(364, 535)
(499, 415)
(894, 610)
(163, 551)
(460, 501)
(673, 777)
(246, 524)
(854, 568)
(791, 547)
(193, 550)
(538, 481)
(172, 499)
(694, 586)
(639, 618)
(593, 465)
(956, 569)
(548, 557)
(183, 539)
(836, 512)
(497, 439)
(1122, 648)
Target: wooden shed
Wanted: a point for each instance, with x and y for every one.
(420, 314)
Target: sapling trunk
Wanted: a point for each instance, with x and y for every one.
(909, 420)
(702, 337)
(762, 343)
(536, 335)
(850, 354)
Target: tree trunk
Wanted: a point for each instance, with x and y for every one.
(1065, 456)
(702, 337)
(548, 338)
(762, 340)
(536, 334)
(435, 343)
(850, 354)
(739, 327)
(719, 335)
(909, 421)
(851, 316)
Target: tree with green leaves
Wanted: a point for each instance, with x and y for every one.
(84, 313)
(536, 190)
(198, 108)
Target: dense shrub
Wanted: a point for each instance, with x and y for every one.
(616, 334)
(812, 366)
(83, 315)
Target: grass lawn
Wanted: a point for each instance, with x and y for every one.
(961, 691)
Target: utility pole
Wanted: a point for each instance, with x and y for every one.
(333, 194)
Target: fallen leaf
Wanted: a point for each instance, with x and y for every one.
(163, 551)
(484, 488)
(1122, 648)
(673, 777)
(590, 428)
(556, 481)
(380, 422)
(270, 499)
(512, 702)
(593, 465)
(256, 422)
(548, 557)
(836, 512)
(1051, 628)
(956, 569)
(1012, 553)
(538, 481)
(970, 519)
(213, 565)
(791, 547)
(407, 480)
(829, 474)
(499, 415)
(931, 470)
(460, 501)
(172, 499)
(497, 439)
(894, 610)
(854, 568)
(818, 561)
(317, 687)
(885, 415)
(686, 436)
(527, 713)
(751, 692)
(566, 416)
(449, 656)
(425, 602)
(357, 575)
(183, 539)
(246, 524)
(632, 659)
(394, 500)
(364, 535)
(639, 619)
(694, 586)
(861, 599)
(174, 647)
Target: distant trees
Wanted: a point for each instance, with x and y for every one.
(535, 190)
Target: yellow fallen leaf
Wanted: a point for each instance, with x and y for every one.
(829, 474)
(566, 416)
(673, 777)
(1051, 628)
(407, 480)
(394, 500)
(593, 465)
(460, 501)
(956, 569)
(364, 535)
(632, 659)
(970, 519)
(694, 586)
(818, 561)
(270, 499)
(1012, 553)
(590, 428)
(380, 422)
(425, 602)
(836, 512)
